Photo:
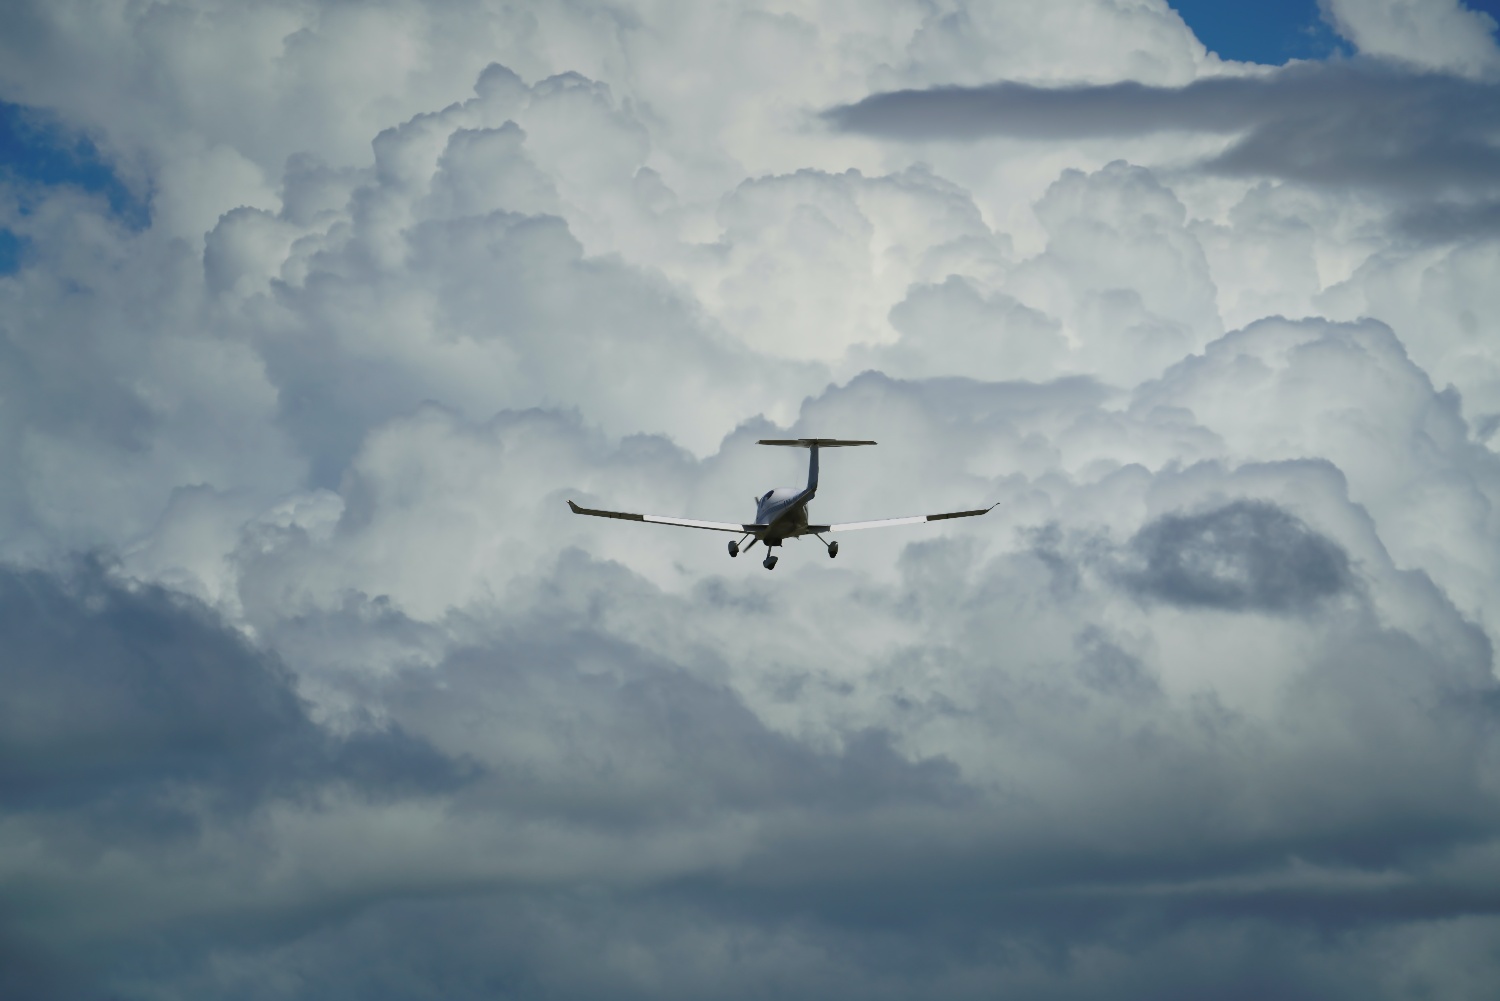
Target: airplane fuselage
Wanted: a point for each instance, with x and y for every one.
(784, 510)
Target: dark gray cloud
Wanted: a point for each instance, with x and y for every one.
(1451, 221)
(132, 719)
(1360, 123)
(1247, 556)
(119, 698)
(871, 872)
(690, 821)
(637, 739)
(647, 946)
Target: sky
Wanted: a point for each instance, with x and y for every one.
(314, 315)
(1272, 32)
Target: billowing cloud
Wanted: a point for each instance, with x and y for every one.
(127, 697)
(1442, 34)
(314, 687)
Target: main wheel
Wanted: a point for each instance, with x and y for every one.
(833, 550)
(770, 563)
(734, 548)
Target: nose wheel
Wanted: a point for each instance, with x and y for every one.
(769, 563)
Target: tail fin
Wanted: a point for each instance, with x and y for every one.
(812, 444)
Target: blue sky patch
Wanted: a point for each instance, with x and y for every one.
(1274, 31)
(1270, 32)
(38, 149)
(12, 247)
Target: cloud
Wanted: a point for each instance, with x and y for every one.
(120, 695)
(1245, 556)
(1360, 123)
(136, 722)
(683, 779)
(720, 791)
(952, 326)
(674, 950)
(1445, 35)
(1348, 393)
(315, 686)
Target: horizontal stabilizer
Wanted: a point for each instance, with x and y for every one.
(810, 442)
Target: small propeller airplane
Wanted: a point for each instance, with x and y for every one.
(781, 514)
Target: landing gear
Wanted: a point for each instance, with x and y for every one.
(734, 548)
(769, 563)
(833, 550)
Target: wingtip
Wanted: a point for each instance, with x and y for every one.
(574, 507)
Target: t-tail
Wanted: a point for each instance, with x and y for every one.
(812, 445)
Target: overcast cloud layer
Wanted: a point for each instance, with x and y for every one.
(312, 687)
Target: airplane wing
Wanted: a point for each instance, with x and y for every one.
(713, 526)
(916, 519)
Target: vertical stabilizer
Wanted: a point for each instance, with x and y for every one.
(812, 445)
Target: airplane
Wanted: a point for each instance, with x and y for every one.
(781, 514)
